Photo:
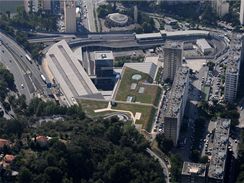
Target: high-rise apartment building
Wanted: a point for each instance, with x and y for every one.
(175, 106)
(232, 80)
(70, 16)
(220, 7)
(216, 170)
(172, 56)
(242, 12)
(219, 153)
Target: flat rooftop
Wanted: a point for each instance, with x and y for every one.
(68, 72)
(203, 43)
(148, 35)
(219, 152)
(145, 67)
(104, 55)
(185, 33)
(177, 92)
(194, 168)
(233, 65)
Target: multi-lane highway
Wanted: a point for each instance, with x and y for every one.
(25, 72)
(90, 15)
(10, 63)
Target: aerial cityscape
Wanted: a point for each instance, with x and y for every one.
(122, 91)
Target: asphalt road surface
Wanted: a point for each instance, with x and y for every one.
(20, 77)
(26, 67)
(162, 164)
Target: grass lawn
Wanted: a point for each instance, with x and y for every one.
(88, 106)
(150, 91)
(147, 113)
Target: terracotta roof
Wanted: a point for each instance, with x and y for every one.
(8, 158)
(4, 142)
(41, 138)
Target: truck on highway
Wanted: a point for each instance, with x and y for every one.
(28, 58)
(43, 78)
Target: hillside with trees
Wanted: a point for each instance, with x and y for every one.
(75, 148)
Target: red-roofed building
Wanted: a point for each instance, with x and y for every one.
(8, 158)
(42, 140)
(4, 142)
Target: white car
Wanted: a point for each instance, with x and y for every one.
(22, 85)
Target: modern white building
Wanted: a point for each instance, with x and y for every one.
(145, 67)
(242, 12)
(66, 71)
(70, 16)
(173, 111)
(204, 46)
(172, 58)
(220, 7)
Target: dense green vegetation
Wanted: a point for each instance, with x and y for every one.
(6, 82)
(104, 10)
(17, 25)
(120, 61)
(35, 21)
(164, 144)
(24, 21)
(219, 110)
(176, 167)
(233, 15)
(81, 149)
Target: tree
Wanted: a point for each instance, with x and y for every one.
(176, 166)
(147, 27)
(104, 10)
(6, 106)
(94, 151)
(164, 144)
(195, 156)
(53, 174)
(1, 113)
(25, 176)
(211, 65)
(204, 159)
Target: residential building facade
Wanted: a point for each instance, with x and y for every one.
(172, 56)
(175, 106)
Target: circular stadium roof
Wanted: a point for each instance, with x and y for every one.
(118, 18)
